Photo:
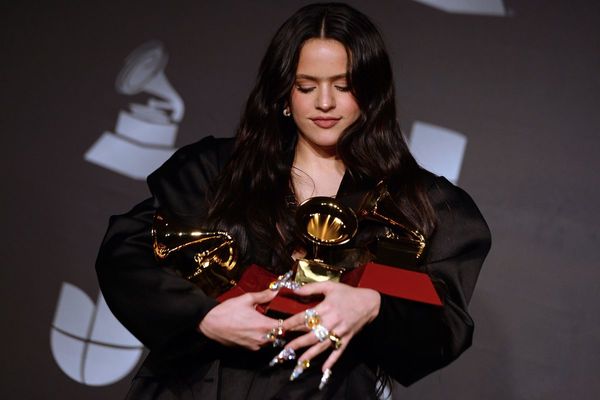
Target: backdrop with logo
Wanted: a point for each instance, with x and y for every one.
(501, 97)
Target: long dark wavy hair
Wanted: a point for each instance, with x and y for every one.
(250, 197)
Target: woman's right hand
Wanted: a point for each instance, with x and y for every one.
(235, 322)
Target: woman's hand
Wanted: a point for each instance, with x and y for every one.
(344, 312)
(235, 322)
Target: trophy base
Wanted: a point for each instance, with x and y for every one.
(310, 271)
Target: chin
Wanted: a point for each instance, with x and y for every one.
(327, 140)
(323, 140)
(326, 144)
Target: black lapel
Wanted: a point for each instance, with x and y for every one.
(352, 189)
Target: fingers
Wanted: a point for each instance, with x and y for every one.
(235, 322)
(305, 360)
(335, 354)
(319, 337)
(320, 347)
(295, 323)
(305, 340)
(254, 333)
(335, 320)
(315, 288)
(262, 297)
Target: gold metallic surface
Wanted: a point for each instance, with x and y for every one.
(335, 340)
(380, 206)
(206, 258)
(326, 222)
(309, 271)
(312, 321)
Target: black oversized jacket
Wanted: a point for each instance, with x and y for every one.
(407, 340)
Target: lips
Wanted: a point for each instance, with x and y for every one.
(325, 122)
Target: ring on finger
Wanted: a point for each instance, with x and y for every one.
(275, 335)
(321, 332)
(311, 318)
(275, 332)
(335, 340)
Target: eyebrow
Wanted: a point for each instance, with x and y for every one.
(315, 78)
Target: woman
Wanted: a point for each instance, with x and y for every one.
(321, 121)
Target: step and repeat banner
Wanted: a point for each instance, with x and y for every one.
(499, 96)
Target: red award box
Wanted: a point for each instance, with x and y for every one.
(392, 281)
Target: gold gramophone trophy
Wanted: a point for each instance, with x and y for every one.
(208, 259)
(402, 241)
(324, 222)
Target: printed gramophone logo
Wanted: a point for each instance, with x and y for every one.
(87, 341)
(144, 135)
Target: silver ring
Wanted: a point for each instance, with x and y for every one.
(321, 332)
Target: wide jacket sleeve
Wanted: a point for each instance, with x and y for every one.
(155, 304)
(413, 339)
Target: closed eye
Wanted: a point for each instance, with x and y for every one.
(305, 89)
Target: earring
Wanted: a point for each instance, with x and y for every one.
(287, 112)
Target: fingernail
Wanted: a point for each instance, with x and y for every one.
(325, 379)
(300, 367)
(284, 355)
(279, 342)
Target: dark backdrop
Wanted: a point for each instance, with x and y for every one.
(521, 85)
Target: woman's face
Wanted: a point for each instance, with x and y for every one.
(321, 103)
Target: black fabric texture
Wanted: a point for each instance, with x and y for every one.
(408, 340)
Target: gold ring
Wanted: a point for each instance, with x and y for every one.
(311, 318)
(275, 335)
(335, 340)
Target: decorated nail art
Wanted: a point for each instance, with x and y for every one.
(300, 367)
(284, 355)
(325, 379)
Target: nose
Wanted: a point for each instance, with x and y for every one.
(325, 99)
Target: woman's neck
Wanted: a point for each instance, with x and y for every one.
(315, 171)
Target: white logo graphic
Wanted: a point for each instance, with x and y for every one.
(87, 341)
(145, 135)
(480, 7)
(438, 149)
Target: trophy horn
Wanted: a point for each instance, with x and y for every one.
(326, 222)
(203, 257)
(379, 205)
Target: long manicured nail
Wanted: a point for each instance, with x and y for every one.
(284, 355)
(300, 367)
(325, 379)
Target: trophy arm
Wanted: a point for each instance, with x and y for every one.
(378, 205)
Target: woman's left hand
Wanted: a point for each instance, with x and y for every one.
(344, 312)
